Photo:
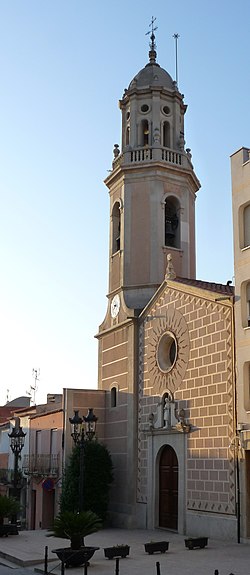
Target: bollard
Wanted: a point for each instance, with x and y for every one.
(86, 568)
(158, 570)
(46, 560)
(62, 568)
(117, 566)
(216, 572)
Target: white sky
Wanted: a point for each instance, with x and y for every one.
(64, 65)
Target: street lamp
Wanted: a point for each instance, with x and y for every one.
(82, 429)
(17, 437)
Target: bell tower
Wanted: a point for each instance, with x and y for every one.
(152, 188)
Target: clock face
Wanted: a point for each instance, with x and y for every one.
(115, 305)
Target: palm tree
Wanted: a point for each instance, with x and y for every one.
(76, 526)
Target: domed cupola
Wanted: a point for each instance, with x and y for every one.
(152, 114)
(152, 75)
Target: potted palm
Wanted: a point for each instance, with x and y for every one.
(75, 526)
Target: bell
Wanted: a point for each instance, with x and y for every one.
(168, 229)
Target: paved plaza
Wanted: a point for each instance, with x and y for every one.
(27, 549)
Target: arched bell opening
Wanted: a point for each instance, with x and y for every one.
(172, 223)
(166, 135)
(116, 228)
(127, 141)
(144, 133)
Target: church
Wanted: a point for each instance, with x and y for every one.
(166, 358)
(173, 397)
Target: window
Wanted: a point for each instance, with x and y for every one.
(245, 303)
(38, 445)
(246, 379)
(127, 136)
(246, 224)
(113, 397)
(166, 110)
(167, 352)
(53, 442)
(248, 303)
(172, 228)
(53, 449)
(166, 135)
(116, 227)
(38, 450)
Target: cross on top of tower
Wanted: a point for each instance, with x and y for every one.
(152, 44)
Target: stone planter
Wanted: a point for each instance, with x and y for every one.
(194, 542)
(156, 547)
(116, 551)
(75, 557)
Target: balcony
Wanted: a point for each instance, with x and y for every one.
(43, 465)
(154, 154)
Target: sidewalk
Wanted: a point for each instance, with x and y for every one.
(27, 549)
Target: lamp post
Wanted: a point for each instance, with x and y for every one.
(17, 437)
(82, 429)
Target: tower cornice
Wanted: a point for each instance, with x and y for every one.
(175, 94)
(122, 169)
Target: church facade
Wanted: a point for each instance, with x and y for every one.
(166, 345)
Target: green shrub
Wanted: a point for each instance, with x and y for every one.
(8, 506)
(98, 476)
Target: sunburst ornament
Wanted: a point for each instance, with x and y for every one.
(168, 350)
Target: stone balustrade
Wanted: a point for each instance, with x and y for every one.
(153, 154)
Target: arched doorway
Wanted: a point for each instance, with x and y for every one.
(168, 488)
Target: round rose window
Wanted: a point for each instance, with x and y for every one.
(167, 351)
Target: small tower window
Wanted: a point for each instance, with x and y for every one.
(166, 135)
(116, 225)
(127, 136)
(166, 110)
(145, 133)
(113, 397)
(172, 228)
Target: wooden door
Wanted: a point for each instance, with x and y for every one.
(168, 489)
(48, 509)
(33, 509)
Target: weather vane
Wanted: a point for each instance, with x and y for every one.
(153, 28)
(152, 38)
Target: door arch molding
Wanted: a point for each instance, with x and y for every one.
(156, 443)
